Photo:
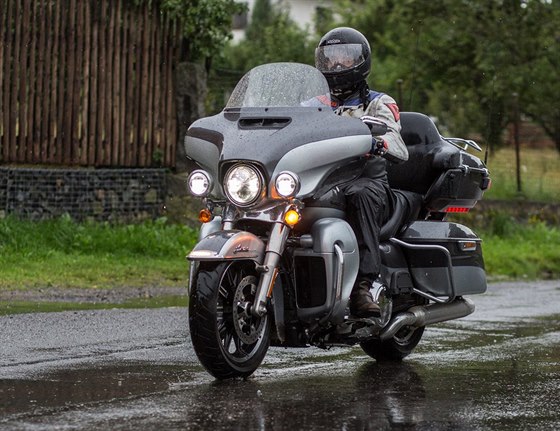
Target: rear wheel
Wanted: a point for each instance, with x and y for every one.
(396, 348)
(228, 340)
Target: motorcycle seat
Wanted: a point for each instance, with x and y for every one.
(405, 210)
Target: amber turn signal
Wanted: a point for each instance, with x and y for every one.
(204, 216)
(291, 217)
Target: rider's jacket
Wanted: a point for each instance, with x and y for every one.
(384, 108)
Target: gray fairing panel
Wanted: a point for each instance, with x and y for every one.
(266, 135)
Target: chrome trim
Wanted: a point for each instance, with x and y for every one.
(429, 296)
(466, 169)
(339, 271)
(428, 315)
(269, 268)
(399, 321)
(462, 144)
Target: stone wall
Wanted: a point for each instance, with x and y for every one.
(83, 194)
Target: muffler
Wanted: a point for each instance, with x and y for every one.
(427, 315)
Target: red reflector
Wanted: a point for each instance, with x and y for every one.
(457, 210)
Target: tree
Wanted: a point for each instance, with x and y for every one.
(262, 15)
(374, 20)
(205, 25)
(539, 95)
(462, 60)
(272, 36)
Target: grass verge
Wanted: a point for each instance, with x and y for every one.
(539, 172)
(514, 248)
(62, 253)
(522, 252)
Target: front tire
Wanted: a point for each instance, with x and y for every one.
(228, 341)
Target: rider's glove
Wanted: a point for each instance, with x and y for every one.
(379, 147)
(377, 127)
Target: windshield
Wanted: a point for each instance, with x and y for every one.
(281, 85)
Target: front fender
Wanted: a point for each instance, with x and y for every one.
(229, 245)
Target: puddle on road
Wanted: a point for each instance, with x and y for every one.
(500, 379)
(507, 395)
(76, 387)
(19, 307)
(517, 393)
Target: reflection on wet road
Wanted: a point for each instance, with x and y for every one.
(498, 369)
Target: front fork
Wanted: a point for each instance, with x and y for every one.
(269, 268)
(273, 252)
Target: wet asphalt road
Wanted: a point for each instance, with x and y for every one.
(498, 369)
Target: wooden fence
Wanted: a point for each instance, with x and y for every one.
(86, 83)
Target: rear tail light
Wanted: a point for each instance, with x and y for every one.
(457, 210)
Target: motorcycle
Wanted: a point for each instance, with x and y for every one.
(276, 260)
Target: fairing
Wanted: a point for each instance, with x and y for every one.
(279, 117)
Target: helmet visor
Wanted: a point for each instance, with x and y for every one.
(338, 58)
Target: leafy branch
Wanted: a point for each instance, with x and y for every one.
(205, 25)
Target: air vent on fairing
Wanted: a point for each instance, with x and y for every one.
(264, 123)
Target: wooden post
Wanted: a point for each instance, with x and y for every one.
(516, 121)
(86, 83)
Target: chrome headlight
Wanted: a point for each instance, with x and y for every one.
(243, 184)
(287, 184)
(200, 183)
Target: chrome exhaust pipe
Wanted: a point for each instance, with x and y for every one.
(427, 315)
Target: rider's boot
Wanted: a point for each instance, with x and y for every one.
(361, 301)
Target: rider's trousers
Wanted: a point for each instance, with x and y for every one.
(368, 202)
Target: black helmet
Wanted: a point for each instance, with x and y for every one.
(344, 57)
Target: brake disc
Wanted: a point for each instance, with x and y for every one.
(247, 326)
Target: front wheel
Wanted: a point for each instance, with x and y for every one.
(394, 349)
(228, 340)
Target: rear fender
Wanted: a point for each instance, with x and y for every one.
(229, 245)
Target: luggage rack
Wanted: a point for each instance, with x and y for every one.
(462, 144)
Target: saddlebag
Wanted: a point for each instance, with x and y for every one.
(445, 259)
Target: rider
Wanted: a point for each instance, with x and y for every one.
(344, 57)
